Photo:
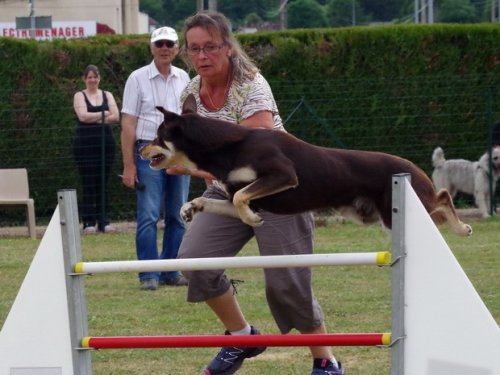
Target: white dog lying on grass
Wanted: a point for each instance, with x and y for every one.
(470, 177)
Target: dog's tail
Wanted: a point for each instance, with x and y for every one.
(438, 157)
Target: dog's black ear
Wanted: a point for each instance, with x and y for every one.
(168, 115)
(189, 105)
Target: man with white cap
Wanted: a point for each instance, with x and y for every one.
(157, 84)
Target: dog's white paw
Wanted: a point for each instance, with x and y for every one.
(189, 209)
(251, 218)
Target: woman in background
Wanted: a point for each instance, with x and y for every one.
(94, 109)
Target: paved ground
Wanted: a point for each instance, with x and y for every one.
(122, 227)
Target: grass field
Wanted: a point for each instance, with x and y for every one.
(354, 299)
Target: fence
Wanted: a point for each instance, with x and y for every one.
(380, 114)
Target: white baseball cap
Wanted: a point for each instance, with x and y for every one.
(164, 33)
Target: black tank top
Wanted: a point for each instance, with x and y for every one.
(95, 108)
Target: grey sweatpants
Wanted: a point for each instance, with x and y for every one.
(288, 290)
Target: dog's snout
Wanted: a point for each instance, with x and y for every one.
(143, 150)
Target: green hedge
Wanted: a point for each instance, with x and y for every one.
(399, 89)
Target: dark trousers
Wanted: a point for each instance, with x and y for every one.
(89, 160)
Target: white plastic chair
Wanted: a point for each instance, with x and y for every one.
(14, 190)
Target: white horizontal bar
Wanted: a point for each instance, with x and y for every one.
(197, 264)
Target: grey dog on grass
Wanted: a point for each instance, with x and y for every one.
(469, 177)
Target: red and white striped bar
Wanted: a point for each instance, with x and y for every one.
(151, 342)
(380, 258)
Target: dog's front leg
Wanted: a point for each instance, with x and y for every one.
(216, 206)
(483, 203)
(189, 209)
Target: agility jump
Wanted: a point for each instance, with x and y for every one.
(382, 258)
(437, 306)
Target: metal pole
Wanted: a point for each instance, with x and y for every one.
(354, 12)
(398, 273)
(32, 19)
(430, 5)
(70, 232)
(102, 213)
(283, 15)
(423, 11)
(492, 207)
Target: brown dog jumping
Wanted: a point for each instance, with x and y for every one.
(274, 171)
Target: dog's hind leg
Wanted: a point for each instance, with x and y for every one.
(444, 212)
(260, 188)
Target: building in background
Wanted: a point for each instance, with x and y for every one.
(74, 18)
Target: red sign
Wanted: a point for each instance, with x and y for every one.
(59, 30)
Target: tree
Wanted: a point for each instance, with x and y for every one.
(340, 13)
(153, 8)
(180, 10)
(382, 10)
(483, 9)
(174, 12)
(252, 20)
(236, 11)
(306, 14)
(459, 11)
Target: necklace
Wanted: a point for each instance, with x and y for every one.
(224, 97)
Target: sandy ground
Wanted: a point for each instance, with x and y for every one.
(124, 227)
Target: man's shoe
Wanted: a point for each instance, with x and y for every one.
(229, 360)
(89, 230)
(178, 281)
(149, 284)
(109, 229)
(326, 367)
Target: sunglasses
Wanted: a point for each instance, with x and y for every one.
(161, 43)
